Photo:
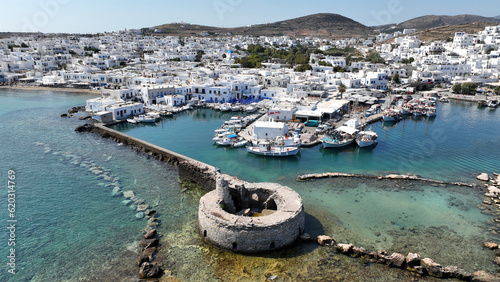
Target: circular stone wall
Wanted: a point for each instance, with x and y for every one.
(248, 234)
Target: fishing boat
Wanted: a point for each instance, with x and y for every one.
(444, 100)
(391, 115)
(268, 149)
(341, 137)
(482, 103)
(366, 138)
(165, 113)
(431, 112)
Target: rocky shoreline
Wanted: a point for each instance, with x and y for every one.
(412, 262)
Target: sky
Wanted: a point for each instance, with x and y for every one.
(93, 16)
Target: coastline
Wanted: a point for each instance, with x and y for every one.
(48, 88)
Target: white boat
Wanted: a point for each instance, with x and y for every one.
(148, 118)
(444, 100)
(225, 108)
(342, 137)
(266, 149)
(232, 140)
(493, 104)
(366, 138)
(236, 108)
(132, 120)
(222, 133)
(250, 109)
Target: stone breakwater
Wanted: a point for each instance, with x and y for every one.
(380, 177)
(412, 262)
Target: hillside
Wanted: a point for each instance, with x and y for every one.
(321, 25)
(446, 32)
(433, 21)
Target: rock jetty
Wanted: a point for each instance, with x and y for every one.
(403, 177)
(411, 262)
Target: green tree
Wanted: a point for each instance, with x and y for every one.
(374, 57)
(303, 68)
(496, 90)
(338, 69)
(342, 89)
(457, 88)
(469, 88)
(396, 78)
(199, 55)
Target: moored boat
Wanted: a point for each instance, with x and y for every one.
(366, 138)
(341, 137)
(267, 149)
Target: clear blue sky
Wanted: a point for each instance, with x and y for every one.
(91, 16)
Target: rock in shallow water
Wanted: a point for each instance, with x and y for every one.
(325, 240)
(483, 177)
(483, 276)
(491, 245)
(139, 215)
(149, 270)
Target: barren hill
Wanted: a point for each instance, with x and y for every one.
(433, 21)
(321, 25)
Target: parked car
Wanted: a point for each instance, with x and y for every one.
(311, 123)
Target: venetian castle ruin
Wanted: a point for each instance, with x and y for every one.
(250, 217)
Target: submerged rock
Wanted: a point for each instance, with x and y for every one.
(344, 248)
(116, 192)
(150, 213)
(325, 240)
(434, 269)
(149, 270)
(139, 215)
(150, 234)
(413, 259)
(458, 273)
(491, 245)
(126, 202)
(142, 207)
(128, 194)
(397, 260)
(148, 243)
(483, 276)
(145, 256)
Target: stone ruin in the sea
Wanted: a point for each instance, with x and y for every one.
(250, 217)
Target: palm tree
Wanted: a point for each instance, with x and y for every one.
(342, 89)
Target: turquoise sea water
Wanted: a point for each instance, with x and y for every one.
(71, 228)
(459, 143)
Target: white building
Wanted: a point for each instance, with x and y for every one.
(265, 130)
